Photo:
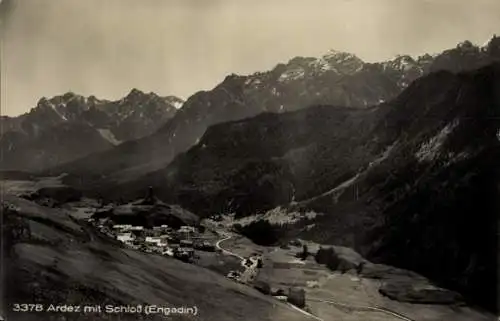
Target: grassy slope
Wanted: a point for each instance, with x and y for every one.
(50, 258)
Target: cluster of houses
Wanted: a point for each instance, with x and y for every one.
(180, 243)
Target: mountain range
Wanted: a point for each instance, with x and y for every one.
(337, 78)
(52, 132)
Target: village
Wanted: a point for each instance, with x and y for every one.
(185, 243)
(179, 243)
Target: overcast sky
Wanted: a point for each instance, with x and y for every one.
(177, 47)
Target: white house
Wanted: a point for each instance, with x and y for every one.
(152, 239)
(155, 240)
(125, 237)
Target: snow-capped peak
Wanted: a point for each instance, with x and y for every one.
(404, 58)
(332, 61)
(403, 62)
(292, 74)
(174, 101)
(47, 104)
(339, 56)
(342, 62)
(178, 104)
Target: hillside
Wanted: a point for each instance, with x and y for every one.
(52, 132)
(336, 78)
(49, 258)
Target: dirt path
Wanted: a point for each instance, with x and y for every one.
(363, 308)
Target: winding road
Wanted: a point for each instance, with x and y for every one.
(227, 237)
(332, 302)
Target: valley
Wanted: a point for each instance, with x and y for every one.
(271, 274)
